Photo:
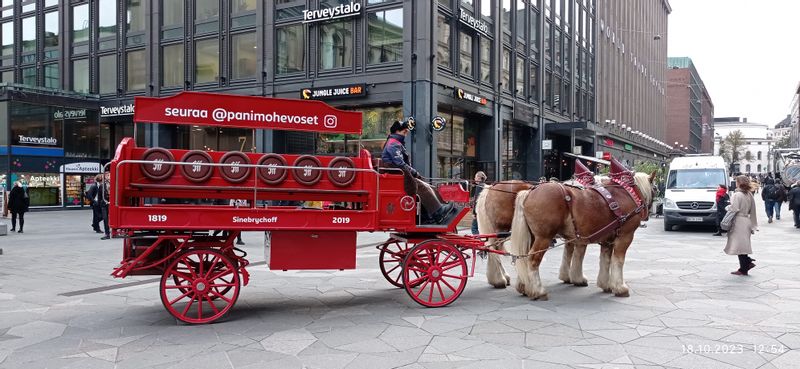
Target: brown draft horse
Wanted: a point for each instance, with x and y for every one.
(495, 210)
(553, 209)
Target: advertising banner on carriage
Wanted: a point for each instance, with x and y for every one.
(254, 112)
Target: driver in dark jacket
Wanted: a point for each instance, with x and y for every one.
(395, 156)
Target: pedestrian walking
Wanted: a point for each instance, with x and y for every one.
(91, 195)
(770, 196)
(794, 203)
(780, 198)
(723, 200)
(743, 226)
(18, 204)
(103, 198)
(480, 180)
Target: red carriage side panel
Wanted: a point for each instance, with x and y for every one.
(291, 250)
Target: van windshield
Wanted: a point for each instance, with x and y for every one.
(696, 178)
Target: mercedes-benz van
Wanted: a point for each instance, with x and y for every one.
(690, 191)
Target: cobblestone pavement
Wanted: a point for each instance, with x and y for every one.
(685, 311)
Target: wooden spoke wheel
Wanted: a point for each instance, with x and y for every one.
(391, 261)
(434, 273)
(200, 286)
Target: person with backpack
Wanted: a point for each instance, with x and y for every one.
(770, 196)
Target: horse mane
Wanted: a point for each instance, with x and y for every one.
(645, 187)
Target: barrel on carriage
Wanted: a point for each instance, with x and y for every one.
(202, 273)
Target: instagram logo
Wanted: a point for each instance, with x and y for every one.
(330, 121)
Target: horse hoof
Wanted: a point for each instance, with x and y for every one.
(499, 285)
(541, 298)
(521, 288)
(508, 281)
(607, 290)
(581, 284)
(622, 294)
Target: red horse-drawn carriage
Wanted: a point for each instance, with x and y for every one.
(202, 273)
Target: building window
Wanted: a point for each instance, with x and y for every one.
(506, 73)
(80, 75)
(465, 55)
(521, 24)
(336, 45)
(385, 37)
(759, 168)
(108, 18)
(51, 29)
(49, 3)
(52, 78)
(108, 74)
(135, 16)
(759, 158)
(8, 8)
(29, 76)
(506, 15)
(29, 34)
(206, 55)
(291, 46)
(547, 51)
(747, 168)
(486, 9)
(520, 78)
(443, 46)
(534, 91)
(7, 30)
(486, 60)
(7, 76)
(136, 64)
(172, 19)
(469, 4)
(244, 55)
(206, 15)
(289, 8)
(80, 23)
(534, 32)
(243, 6)
(172, 66)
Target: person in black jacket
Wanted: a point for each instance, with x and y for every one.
(18, 203)
(770, 196)
(794, 203)
(91, 195)
(103, 198)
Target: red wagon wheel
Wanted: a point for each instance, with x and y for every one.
(200, 286)
(391, 261)
(442, 273)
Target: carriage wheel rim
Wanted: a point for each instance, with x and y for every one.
(442, 273)
(205, 286)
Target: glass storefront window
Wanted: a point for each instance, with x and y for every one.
(80, 23)
(7, 30)
(29, 34)
(443, 45)
(33, 125)
(290, 46)
(457, 146)
(80, 75)
(206, 54)
(135, 16)
(136, 70)
(465, 54)
(43, 188)
(108, 74)
(336, 45)
(52, 78)
(486, 60)
(81, 137)
(514, 150)
(244, 55)
(385, 36)
(51, 29)
(205, 10)
(376, 123)
(108, 18)
(172, 66)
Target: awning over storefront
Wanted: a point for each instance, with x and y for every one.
(588, 158)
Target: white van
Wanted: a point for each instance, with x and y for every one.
(690, 191)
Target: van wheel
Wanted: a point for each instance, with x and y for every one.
(667, 226)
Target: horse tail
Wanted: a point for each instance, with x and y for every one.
(521, 237)
(485, 225)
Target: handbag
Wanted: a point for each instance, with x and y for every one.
(727, 221)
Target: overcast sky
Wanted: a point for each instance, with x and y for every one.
(746, 52)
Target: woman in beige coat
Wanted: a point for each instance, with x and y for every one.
(744, 225)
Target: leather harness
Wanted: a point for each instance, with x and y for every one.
(613, 205)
